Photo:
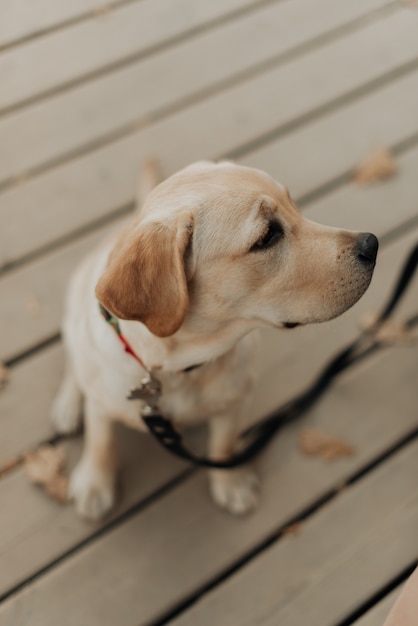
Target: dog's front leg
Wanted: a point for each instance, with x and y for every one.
(235, 490)
(93, 481)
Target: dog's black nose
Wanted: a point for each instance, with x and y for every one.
(367, 246)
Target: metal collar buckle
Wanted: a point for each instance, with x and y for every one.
(149, 391)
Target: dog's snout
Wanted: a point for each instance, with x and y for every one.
(367, 246)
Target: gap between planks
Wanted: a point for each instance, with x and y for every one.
(375, 610)
(378, 612)
(15, 34)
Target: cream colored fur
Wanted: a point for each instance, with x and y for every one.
(191, 285)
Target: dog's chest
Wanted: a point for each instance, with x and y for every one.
(196, 396)
(191, 397)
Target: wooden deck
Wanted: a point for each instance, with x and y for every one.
(303, 89)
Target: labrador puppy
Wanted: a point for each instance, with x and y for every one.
(215, 252)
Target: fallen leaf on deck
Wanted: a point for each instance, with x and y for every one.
(4, 375)
(101, 11)
(33, 306)
(391, 331)
(58, 488)
(314, 443)
(43, 463)
(341, 486)
(9, 464)
(46, 467)
(378, 165)
(20, 179)
(292, 529)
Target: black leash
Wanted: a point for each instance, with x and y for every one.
(261, 433)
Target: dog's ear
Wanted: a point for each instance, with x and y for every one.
(145, 279)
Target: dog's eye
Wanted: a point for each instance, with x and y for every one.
(270, 237)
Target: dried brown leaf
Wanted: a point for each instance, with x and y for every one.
(33, 306)
(102, 11)
(292, 529)
(391, 331)
(9, 464)
(46, 467)
(395, 331)
(20, 179)
(44, 462)
(378, 165)
(314, 443)
(58, 488)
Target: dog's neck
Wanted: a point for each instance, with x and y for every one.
(187, 348)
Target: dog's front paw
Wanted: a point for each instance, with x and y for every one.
(234, 490)
(93, 491)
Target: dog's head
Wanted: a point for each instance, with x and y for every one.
(217, 243)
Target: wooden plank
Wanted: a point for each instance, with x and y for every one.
(27, 512)
(74, 194)
(25, 403)
(141, 91)
(44, 280)
(128, 30)
(347, 134)
(377, 615)
(144, 25)
(26, 18)
(33, 308)
(341, 556)
(155, 564)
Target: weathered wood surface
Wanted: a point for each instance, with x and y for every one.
(340, 556)
(345, 136)
(172, 78)
(302, 89)
(93, 185)
(179, 543)
(36, 530)
(131, 29)
(29, 18)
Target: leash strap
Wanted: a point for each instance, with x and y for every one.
(261, 433)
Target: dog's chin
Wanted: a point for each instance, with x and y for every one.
(324, 317)
(341, 304)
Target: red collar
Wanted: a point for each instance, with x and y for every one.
(114, 322)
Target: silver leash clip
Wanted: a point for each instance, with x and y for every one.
(149, 391)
